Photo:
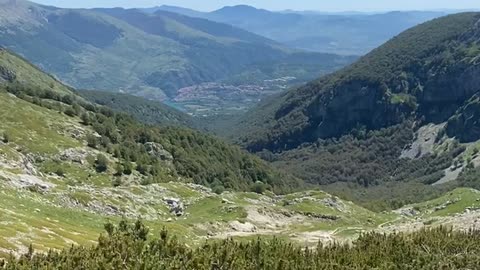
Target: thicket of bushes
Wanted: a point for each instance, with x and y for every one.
(128, 247)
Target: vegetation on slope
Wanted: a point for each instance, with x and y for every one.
(147, 111)
(347, 131)
(129, 246)
(367, 167)
(15, 68)
(148, 149)
(206, 160)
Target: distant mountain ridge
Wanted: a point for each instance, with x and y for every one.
(344, 33)
(149, 55)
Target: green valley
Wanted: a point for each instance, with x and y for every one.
(374, 166)
(152, 55)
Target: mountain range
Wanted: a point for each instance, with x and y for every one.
(347, 33)
(148, 55)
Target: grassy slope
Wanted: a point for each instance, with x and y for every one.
(29, 74)
(48, 222)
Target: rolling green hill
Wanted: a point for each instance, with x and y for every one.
(68, 165)
(148, 55)
(147, 111)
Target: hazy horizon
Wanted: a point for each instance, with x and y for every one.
(278, 5)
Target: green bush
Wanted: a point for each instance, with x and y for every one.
(258, 187)
(101, 163)
(218, 189)
(92, 141)
(119, 169)
(5, 138)
(60, 172)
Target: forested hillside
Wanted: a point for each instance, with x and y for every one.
(393, 128)
(147, 111)
(144, 148)
(427, 72)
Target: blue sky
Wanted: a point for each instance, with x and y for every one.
(320, 5)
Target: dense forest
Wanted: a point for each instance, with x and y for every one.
(366, 167)
(129, 246)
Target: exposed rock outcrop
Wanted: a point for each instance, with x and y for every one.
(157, 150)
(77, 155)
(176, 206)
(7, 75)
(465, 124)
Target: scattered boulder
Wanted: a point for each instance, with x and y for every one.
(407, 212)
(77, 133)
(225, 201)
(242, 227)
(176, 206)
(334, 203)
(7, 75)
(28, 167)
(157, 150)
(31, 182)
(76, 155)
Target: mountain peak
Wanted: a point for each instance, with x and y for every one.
(240, 9)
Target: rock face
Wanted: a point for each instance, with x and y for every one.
(157, 150)
(465, 124)
(424, 142)
(29, 182)
(358, 102)
(7, 75)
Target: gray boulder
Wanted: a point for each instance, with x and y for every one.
(157, 150)
(176, 206)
